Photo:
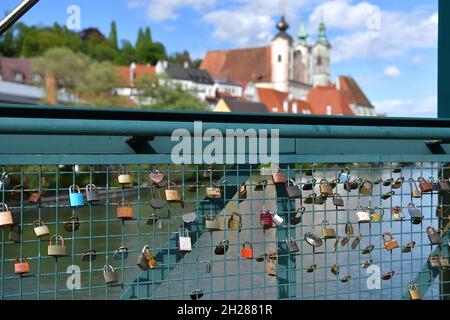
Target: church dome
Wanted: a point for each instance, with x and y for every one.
(282, 25)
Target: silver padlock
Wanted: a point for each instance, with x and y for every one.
(277, 219)
(292, 244)
(110, 275)
(363, 215)
(54, 249)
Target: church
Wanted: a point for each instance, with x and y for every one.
(288, 73)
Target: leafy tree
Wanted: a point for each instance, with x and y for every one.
(167, 96)
(113, 35)
(148, 51)
(126, 55)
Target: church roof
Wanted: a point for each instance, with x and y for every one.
(322, 97)
(351, 90)
(275, 99)
(239, 65)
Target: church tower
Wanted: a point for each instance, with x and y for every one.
(302, 57)
(321, 58)
(282, 56)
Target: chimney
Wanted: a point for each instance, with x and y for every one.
(132, 71)
(286, 106)
(186, 64)
(51, 91)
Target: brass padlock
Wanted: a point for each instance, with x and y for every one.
(40, 228)
(55, 249)
(335, 270)
(211, 221)
(414, 292)
(356, 242)
(110, 275)
(233, 223)
(390, 243)
(5, 216)
(397, 213)
(172, 195)
(348, 229)
(213, 192)
(328, 231)
(388, 275)
(366, 188)
(242, 191)
(409, 246)
(397, 183)
(123, 176)
(336, 243)
(415, 192)
(366, 264)
(368, 249)
(325, 188)
(377, 217)
(424, 185)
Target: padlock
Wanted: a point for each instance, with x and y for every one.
(292, 244)
(271, 264)
(243, 191)
(434, 261)
(390, 243)
(233, 223)
(334, 183)
(197, 294)
(297, 218)
(328, 231)
(92, 193)
(335, 269)
(388, 275)
(398, 169)
(415, 192)
(189, 217)
(277, 219)
(21, 266)
(442, 211)
(261, 185)
(213, 192)
(377, 217)
(366, 187)
(345, 241)
(222, 247)
(325, 188)
(348, 229)
(435, 184)
(388, 182)
(337, 200)
(35, 196)
(156, 176)
(416, 214)
(434, 236)
(355, 184)
(311, 268)
(124, 210)
(346, 279)
(211, 221)
(397, 183)
(344, 176)
(396, 213)
(424, 185)
(362, 215)
(172, 195)
(146, 260)
(16, 193)
(387, 195)
(247, 250)
(184, 240)
(194, 187)
(310, 171)
(313, 240)
(309, 199)
(367, 264)
(156, 202)
(76, 198)
(368, 249)
(445, 261)
(120, 253)
(336, 243)
(14, 234)
(356, 242)
(309, 185)
(293, 190)
(154, 218)
(278, 176)
(40, 228)
(444, 185)
(5, 216)
(408, 247)
(110, 275)
(5, 180)
(55, 249)
(72, 224)
(123, 176)
(319, 199)
(414, 292)
(89, 255)
(265, 218)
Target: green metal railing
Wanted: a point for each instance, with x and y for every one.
(47, 150)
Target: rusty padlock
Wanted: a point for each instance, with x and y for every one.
(35, 196)
(21, 266)
(389, 243)
(424, 185)
(110, 275)
(124, 210)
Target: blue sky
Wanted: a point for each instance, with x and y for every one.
(389, 47)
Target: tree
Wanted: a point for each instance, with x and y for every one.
(167, 96)
(113, 35)
(126, 55)
(148, 51)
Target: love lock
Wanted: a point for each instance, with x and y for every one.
(335, 270)
(311, 268)
(362, 215)
(377, 217)
(120, 253)
(92, 193)
(110, 275)
(313, 240)
(434, 236)
(397, 213)
(73, 224)
(298, 216)
(293, 190)
(366, 264)
(390, 243)
(357, 241)
(409, 246)
(156, 176)
(416, 214)
(292, 244)
(414, 292)
(336, 243)
(388, 275)
(247, 250)
(197, 294)
(189, 217)
(5, 216)
(368, 249)
(328, 231)
(75, 196)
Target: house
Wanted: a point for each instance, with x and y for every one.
(231, 104)
(128, 77)
(197, 81)
(329, 100)
(358, 101)
(282, 102)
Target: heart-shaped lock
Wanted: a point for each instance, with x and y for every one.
(156, 176)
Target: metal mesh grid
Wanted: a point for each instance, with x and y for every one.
(228, 276)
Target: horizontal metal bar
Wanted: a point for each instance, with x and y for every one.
(16, 14)
(155, 128)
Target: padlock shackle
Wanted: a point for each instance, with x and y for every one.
(293, 182)
(183, 232)
(39, 223)
(56, 237)
(91, 187)
(237, 214)
(249, 244)
(21, 260)
(72, 189)
(391, 237)
(123, 204)
(145, 248)
(108, 268)
(325, 224)
(123, 170)
(4, 206)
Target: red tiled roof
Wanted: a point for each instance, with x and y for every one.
(9, 67)
(351, 90)
(321, 97)
(239, 65)
(274, 100)
(124, 73)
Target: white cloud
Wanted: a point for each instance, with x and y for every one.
(424, 107)
(160, 10)
(417, 59)
(391, 72)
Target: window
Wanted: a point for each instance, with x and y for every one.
(329, 110)
(19, 77)
(279, 58)
(319, 61)
(37, 77)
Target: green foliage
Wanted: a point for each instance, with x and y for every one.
(148, 51)
(126, 55)
(113, 35)
(168, 96)
(182, 57)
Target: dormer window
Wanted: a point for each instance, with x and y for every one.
(19, 76)
(37, 78)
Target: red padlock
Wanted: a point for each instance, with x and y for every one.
(21, 266)
(265, 218)
(247, 252)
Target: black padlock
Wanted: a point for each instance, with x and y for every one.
(92, 193)
(222, 247)
(309, 185)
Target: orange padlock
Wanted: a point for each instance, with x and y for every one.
(390, 243)
(247, 252)
(21, 266)
(124, 210)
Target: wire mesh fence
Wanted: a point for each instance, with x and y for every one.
(297, 231)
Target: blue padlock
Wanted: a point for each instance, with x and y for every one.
(76, 198)
(344, 176)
